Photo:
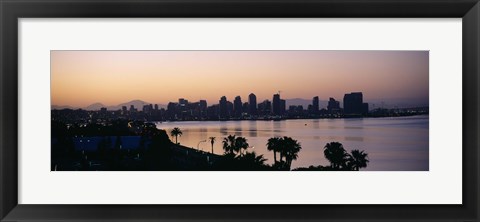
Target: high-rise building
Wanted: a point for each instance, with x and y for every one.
(222, 112)
(229, 109)
(283, 106)
(182, 102)
(353, 103)
(203, 105)
(202, 108)
(333, 106)
(213, 111)
(245, 107)
(172, 110)
(156, 107)
(252, 104)
(264, 108)
(276, 105)
(315, 105)
(147, 108)
(237, 106)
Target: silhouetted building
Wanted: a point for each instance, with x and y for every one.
(333, 106)
(132, 109)
(353, 103)
(252, 104)
(156, 107)
(283, 106)
(182, 102)
(124, 110)
(264, 108)
(171, 110)
(203, 108)
(276, 105)
(213, 111)
(315, 105)
(203, 104)
(229, 109)
(237, 106)
(147, 108)
(223, 112)
(245, 107)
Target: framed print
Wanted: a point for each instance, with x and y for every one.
(280, 110)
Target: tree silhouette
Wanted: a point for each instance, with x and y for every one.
(253, 158)
(234, 145)
(176, 132)
(336, 154)
(240, 145)
(357, 159)
(290, 150)
(212, 141)
(273, 145)
(287, 147)
(229, 144)
(250, 161)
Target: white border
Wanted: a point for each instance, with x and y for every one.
(441, 185)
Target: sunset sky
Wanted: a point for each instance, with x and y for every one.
(80, 78)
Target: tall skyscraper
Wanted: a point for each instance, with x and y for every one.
(315, 105)
(276, 105)
(223, 107)
(203, 108)
(237, 106)
(264, 108)
(333, 106)
(353, 103)
(252, 104)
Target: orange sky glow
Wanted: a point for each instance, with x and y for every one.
(80, 78)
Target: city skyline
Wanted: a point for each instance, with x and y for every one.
(81, 78)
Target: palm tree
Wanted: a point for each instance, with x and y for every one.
(254, 159)
(273, 144)
(212, 141)
(176, 132)
(358, 159)
(229, 144)
(240, 145)
(233, 144)
(290, 149)
(336, 154)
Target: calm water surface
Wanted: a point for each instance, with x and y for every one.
(397, 143)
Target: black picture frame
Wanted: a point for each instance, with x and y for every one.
(12, 10)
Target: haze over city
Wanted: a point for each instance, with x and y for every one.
(80, 78)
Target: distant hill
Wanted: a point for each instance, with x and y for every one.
(95, 106)
(63, 107)
(136, 103)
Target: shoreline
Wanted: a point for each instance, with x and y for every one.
(285, 119)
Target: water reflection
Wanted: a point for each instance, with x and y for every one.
(392, 143)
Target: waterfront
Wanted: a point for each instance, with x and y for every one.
(394, 143)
